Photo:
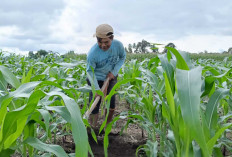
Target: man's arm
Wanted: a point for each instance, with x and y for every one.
(91, 76)
(122, 58)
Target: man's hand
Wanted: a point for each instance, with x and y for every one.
(103, 90)
(111, 76)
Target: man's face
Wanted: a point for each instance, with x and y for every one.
(105, 43)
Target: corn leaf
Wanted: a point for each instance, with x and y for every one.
(211, 107)
(27, 78)
(46, 116)
(181, 63)
(6, 152)
(214, 139)
(170, 97)
(24, 90)
(55, 149)
(9, 76)
(78, 128)
(10, 131)
(189, 92)
(61, 110)
(3, 83)
(169, 71)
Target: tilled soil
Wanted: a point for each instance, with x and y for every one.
(117, 147)
(123, 145)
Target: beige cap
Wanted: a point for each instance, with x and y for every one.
(103, 30)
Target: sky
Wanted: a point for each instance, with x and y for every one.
(69, 25)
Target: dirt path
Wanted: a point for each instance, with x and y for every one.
(124, 145)
(118, 147)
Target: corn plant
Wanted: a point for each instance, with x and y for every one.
(25, 105)
(194, 127)
(183, 105)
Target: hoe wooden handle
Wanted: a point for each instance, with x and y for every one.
(89, 111)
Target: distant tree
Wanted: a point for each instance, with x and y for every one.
(130, 48)
(154, 49)
(138, 47)
(71, 52)
(134, 46)
(230, 50)
(141, 47)
(168, 45)
(126, 50)
(42, 53)
(144, 46)
(31, 54)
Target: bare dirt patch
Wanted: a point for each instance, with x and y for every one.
(123, 145)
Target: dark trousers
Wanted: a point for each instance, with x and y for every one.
(112, 101)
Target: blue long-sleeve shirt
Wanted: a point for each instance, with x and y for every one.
(104, 62)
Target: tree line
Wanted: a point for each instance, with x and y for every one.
(40, 53)
(137, 48)
(146, 47)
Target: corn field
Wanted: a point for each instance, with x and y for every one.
(183, 105)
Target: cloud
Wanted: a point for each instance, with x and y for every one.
(63, 25)
(197, 43)
(25, 24)
(194, 43)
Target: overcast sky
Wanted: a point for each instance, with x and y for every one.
(64, 25)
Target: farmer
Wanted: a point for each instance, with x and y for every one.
(105, 58)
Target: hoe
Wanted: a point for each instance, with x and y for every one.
(105, 85)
